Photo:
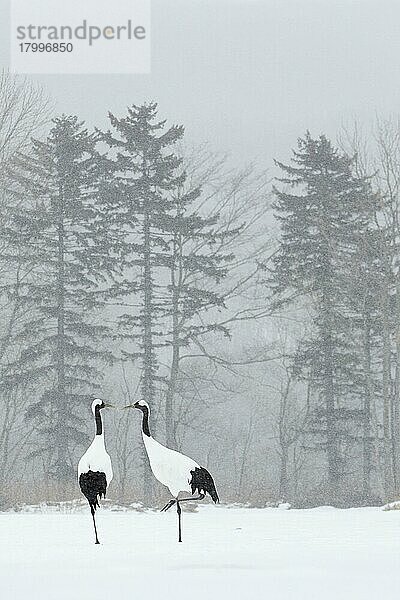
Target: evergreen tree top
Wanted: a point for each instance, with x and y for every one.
(316, 156)
(138, 130)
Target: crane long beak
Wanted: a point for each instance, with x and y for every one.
(108, 405)
(128, 406)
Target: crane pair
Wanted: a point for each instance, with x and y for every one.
(177, 472)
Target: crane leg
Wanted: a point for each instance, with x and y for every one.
(168, 505)
(172, 502)
(94, 524)
(179, 511)
(199, 497)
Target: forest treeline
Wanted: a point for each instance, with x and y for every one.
(259, 316)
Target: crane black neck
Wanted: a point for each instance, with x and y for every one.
(145, 420)
(99, 422)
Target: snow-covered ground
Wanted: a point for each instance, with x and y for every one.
(229, 553)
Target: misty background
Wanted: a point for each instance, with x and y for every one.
(255, 74)
(246, 80)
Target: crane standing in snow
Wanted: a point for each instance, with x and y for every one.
(177, 472)
(94, 468)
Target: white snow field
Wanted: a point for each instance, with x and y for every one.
(227, 553)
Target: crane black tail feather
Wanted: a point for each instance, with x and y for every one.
(93, 486)
(202, 482)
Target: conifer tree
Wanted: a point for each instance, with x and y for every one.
(62, 340)
(145, 176)
(320, 226)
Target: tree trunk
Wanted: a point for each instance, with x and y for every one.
(148, 387)
(387, 451)
(169, 400)
(284, 478)
(396, 400)
(176, 282)
(148, 359)
(331, 433)
(60, 358)
(332, 450)
(367, 440)
(243, 462)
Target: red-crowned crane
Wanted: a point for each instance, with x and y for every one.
(177, 472)
(94, 468)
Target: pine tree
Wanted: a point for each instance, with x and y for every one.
(62, 340)
(320, 227)
(145, 176)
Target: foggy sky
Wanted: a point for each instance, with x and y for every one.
(251, 76)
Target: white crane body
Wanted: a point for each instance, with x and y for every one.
(171, 468)
(96, 458)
